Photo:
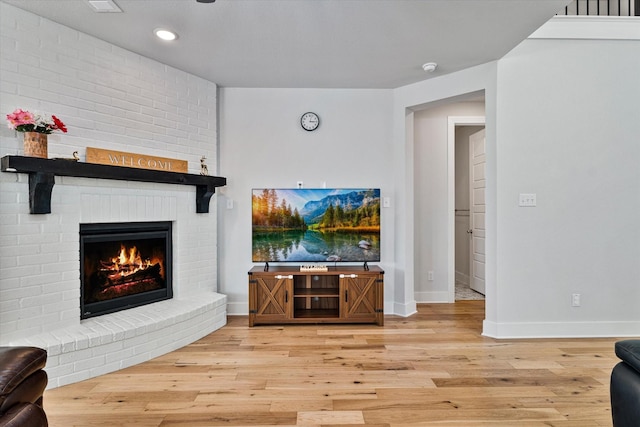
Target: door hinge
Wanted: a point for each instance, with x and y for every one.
(253, 311)
(380, 280)
(379, 310)
(253, 281)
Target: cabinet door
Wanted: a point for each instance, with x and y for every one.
(361, 297)
(270, 298)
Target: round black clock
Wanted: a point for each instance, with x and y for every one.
(310, 121)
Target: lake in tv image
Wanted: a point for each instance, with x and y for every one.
(315, 225)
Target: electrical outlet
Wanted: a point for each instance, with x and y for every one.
(229, 203)
(429, 275)
(575, 300)
(386, 202)
(299, 184)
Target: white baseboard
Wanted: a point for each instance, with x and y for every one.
(404, 310)
(432, 297)
(561, 329)
(237, 308)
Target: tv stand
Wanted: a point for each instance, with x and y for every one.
(284, 294)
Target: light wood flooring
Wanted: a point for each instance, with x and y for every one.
(433, 368)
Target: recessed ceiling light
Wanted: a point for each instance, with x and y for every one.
(165, 34)
(104, 6)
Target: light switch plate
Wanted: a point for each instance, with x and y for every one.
(527, 200)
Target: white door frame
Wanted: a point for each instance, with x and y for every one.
(454, 121)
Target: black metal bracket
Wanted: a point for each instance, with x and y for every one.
(42, 174)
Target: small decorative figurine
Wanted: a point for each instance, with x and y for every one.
(75, 157)
(204, 170)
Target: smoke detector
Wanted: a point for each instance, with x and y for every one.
(429, 67)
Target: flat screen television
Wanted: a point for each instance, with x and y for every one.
(315, 225)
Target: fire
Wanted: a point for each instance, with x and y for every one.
(128, 261)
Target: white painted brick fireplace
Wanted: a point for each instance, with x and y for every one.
(108, 98)
(41, 285)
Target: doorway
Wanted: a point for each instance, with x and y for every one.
(463, 211)
(432, 153)
(469, 212)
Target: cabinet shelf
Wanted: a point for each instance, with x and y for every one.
(316, 314)
(316, 292)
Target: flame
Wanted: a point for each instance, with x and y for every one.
(129, 261)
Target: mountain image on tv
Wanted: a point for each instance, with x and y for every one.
(315, 225)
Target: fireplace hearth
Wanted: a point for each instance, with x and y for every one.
(124, 265)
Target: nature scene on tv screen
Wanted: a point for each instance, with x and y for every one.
(316, 225)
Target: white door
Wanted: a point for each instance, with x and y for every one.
(477, 160)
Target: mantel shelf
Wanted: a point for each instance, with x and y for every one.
(42, 172)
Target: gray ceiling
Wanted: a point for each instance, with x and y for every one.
(310, 43)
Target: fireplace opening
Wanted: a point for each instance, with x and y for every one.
(124, 265)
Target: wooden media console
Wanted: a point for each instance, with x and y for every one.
(284, 294)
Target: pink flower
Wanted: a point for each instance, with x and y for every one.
(19, 117)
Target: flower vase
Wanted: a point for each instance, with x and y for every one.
(35, 144)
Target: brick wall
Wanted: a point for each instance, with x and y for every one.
(108, 98)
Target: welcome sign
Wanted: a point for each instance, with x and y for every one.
(134, 160)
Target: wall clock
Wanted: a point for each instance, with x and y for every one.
(310, 121)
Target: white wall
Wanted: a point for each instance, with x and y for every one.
(263, 145)
(562, 122)
(568, 131)
(107, 96)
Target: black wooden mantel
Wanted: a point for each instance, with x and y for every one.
(42, 172)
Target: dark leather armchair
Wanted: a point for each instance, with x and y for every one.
(22, 383)
(625, 385)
